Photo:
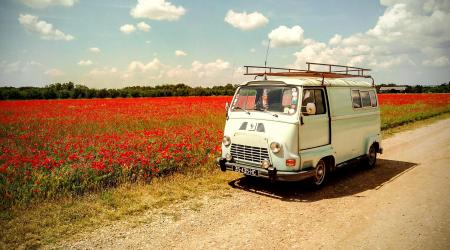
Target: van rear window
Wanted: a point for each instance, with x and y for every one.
(365, 98)
(356, 98)
(373, 98)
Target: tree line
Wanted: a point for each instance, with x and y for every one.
(442, 88)
(75, 91)
(70, 90)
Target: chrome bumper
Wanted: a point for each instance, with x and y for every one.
(271, 173)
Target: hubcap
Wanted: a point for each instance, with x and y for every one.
(320, 173)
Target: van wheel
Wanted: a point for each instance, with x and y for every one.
(371, 156)
(320, 174)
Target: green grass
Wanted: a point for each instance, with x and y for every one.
(46, 222)
(397, 115)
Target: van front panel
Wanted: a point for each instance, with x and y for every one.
(251, 139)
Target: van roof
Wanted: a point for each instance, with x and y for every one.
(310, 81)
(326, 75)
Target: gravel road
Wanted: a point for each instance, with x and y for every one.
(403, 203)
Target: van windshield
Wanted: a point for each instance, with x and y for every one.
(266, 98)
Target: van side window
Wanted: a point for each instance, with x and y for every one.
(365, 98)
(315, 96)
(356, 98)
(373, 98)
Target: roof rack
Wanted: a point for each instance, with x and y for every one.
(334, 71)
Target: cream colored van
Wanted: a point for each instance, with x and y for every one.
(296, 124)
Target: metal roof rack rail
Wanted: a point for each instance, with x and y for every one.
(333, 71)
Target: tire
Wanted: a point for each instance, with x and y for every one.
(372, 156)
(321, 174)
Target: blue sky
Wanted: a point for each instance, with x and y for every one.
(149, 42)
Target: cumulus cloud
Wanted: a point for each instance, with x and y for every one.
(244, 21)
(143, 26)
(127, 28)
(157, 10)
(410, 33)
(40, 4)
(54, 72)
(94, 50)
(199, 70)
(85, 63)
(335, 40)
(285, 37)
(103, 71)
(180, 53)
(209, 69)
(43, 29)
(138, 66)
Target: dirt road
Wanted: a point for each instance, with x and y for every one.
(403, 203)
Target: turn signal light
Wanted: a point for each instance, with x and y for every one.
(290, 162)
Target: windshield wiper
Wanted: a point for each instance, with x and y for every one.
(266, 111)
(246, 111)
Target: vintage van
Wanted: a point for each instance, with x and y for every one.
(297, 124)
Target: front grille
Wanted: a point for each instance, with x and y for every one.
(249, 153)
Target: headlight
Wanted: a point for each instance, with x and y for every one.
(275, 147)
(265, 164)
(226, 141)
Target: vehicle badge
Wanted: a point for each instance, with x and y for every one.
(252, 126)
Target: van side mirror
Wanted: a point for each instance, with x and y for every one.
(311, 108)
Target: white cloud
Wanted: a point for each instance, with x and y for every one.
(410, 33)
(335, 40)
(437, 62)
(40, 4)
(244, 21)
(137, 66)
(253, 50)
(43, 29)
(180, 53)
(94, 50)
(285, 37)
(209, 69)
(206, 73)
(85, 62)
(127, 28)
(157, 10)
(54, 72)
(199, 69)
(103, 71)
(147, 42)
(143, 26)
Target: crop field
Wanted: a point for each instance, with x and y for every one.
(60, 147)
(399, 109)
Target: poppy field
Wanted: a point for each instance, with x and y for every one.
(59, 147)
(399, 109)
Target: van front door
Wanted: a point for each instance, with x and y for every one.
(315, 129)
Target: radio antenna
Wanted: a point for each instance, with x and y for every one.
(267, 53)
(265, 61)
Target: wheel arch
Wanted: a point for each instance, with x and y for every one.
(373, 140)
(330, 162)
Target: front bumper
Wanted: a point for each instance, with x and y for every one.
(271, 173)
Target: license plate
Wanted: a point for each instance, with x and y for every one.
(246, 171)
